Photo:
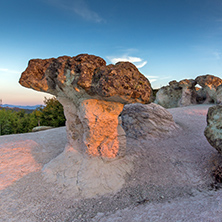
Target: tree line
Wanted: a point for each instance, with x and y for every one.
(13, 122)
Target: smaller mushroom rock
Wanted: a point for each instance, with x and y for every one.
(177, 94)
(93, 96)
(209, 84)
(213, 131)
(188, 96)
(147, 121)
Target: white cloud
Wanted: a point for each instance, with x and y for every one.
(138, 62)
(9, 71)
(141, 64)
(135, 59)
(152, 80)
(79, 7)
(152, 76)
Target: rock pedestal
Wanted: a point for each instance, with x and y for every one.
(94, 127)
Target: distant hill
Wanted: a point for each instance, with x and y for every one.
(20, 107)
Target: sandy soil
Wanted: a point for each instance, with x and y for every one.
(172, 178)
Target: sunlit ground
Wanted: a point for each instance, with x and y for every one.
(16, 161)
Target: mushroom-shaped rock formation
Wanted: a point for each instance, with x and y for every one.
(149, 121)
(93, 96)
(209, 84)
(177, 94)
(213, 131)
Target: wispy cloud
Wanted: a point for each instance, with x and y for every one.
(152, 80)
(9, 71)
(217, 55)
(79, 7)
(138, 62)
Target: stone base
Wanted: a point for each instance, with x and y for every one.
(87, 176)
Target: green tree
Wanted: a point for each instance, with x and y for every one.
(52, 113)
(5, 122)
(12, 122)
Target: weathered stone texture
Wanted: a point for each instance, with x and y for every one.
(147, 121)
(209, 84)
(177, 94)
(89, 76)
(219, 94)
(213, 131)
(95, 128)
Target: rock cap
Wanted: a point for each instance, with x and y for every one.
(88, 76)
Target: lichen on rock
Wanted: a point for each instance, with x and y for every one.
(213, 131)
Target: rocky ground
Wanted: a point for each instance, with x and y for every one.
(171, 181)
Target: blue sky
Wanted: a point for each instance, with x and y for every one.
(165, 39)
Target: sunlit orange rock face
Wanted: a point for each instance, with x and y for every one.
(93, 95)
(101, 120)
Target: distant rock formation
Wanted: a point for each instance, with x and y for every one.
(147, 121)
(209, 84)
(93, 96)
(213, 131)
(177, 94)
(184, 92)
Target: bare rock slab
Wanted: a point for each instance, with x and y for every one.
(213, 131)
(87, 177)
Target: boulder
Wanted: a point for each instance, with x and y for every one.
(213, 131)
(209, 84)
(93, 95)
(177, 94)
(41, 128)
(147, 121)
(219, 94)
